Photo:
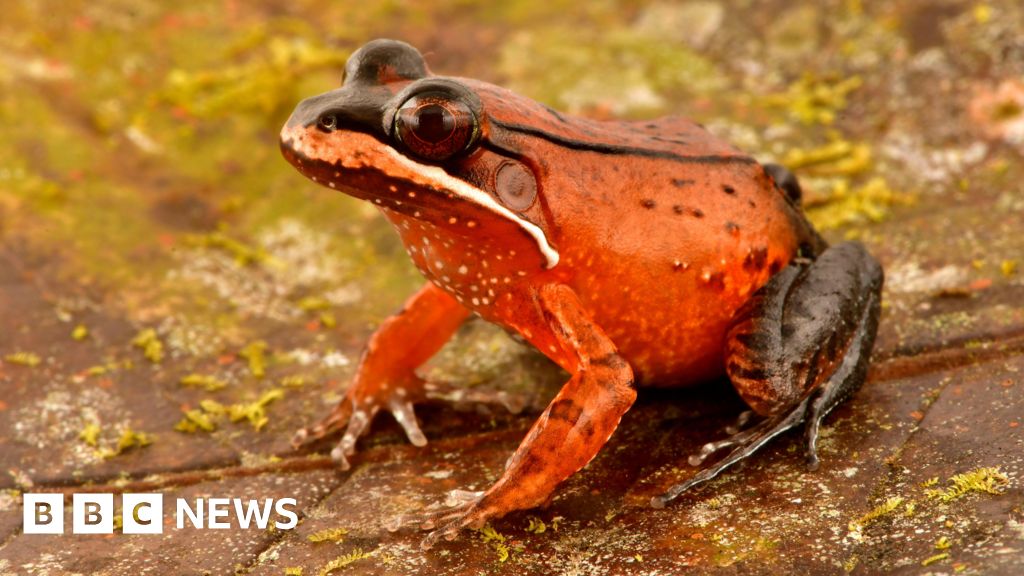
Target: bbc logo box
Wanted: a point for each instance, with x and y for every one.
(92, 513)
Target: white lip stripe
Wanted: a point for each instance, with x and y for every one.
(444, 180)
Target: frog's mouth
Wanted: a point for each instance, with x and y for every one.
(361, 166)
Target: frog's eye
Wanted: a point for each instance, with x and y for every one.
(435, 126)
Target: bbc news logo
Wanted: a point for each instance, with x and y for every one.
(144, 513)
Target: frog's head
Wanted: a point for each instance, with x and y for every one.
(420, 145)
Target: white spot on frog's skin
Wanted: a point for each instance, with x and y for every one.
(337, 174)
(485, 301)
(377, 201)
(412, 194)
(474, 288)
(476, 301)
(439, 265)
(313, 178)
(446, 279)
(463, 269)
(393, 188)
(331, 184)
(452, 220)
(471, 223)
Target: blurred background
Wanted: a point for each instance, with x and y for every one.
(175, 298)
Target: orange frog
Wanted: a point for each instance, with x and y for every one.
(630, 253)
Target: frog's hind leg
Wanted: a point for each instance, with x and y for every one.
(798, 348)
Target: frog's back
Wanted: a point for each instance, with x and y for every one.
(664, 230)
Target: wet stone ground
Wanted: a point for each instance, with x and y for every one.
(175, 300)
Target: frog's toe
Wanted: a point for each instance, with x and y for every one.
(743, 444)
(405, 415)
(338, 417)
(461, 511)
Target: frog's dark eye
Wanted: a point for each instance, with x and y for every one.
(435, 126)
(327, 122)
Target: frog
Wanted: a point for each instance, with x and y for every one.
(631, 253)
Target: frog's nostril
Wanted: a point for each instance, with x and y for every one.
(328, 122)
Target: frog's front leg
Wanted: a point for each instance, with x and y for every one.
(570, 432)
(797, 349)
(386, 376)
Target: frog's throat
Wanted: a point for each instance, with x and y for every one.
(437, 176)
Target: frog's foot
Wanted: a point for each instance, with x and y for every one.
(386, 377)
(355, 412)
(799, 348)
(461, 510)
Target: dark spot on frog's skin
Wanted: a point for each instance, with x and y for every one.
(752, 203)
(680, 182)
(652, 126)
(716, 280)
(677, 209)
(648, 203)
(728, 189)
(698, 213)
(775, 266)
(732, 228)
(756, 259)
(565, 410)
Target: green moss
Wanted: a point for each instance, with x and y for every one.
(208, 383)
(90, 434)
(879, 511)
(986, 480)
(848, 204)
(23, 359)
(328, 535)
(343, 561)
(618, 71)
(496, 540)
(255, 353)
(150, 344)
